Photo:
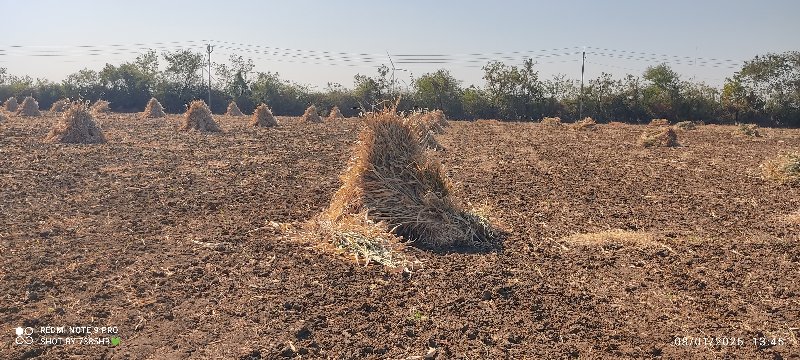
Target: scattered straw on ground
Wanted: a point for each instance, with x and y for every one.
(76, 126)
(552, 121)
(392, 183)
(662, 137)
(615, 236)
(233, 110)
(311, 115)
(198, 117)
(154, 109)
(263, 117)
(60, 105)
(749, 130)
(784, 169)
(585, 124)
(685, 125)
(29, 107)
(335, 114)
(11, 104)
(793, 218)
(100, 107)
(659, 122)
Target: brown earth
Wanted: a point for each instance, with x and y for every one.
(613, 250)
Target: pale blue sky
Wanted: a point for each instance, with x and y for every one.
(682, 30)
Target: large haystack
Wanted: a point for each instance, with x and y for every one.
(335, 114)
(76, 126)
(11, 104)
(154, 109)
(100, 107)
(263, 117)
(29, 107)
(425, 130)
(198, 117)
(60, 105)
(392, 182)
(664, 137)
(311, 115)
(233, 110)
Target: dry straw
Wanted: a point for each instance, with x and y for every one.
(585, 124)
(233, 110)
(425, 129)
(154, 109)
(311, 115)
(749, 130)
(659, 122)
(76, 126)
(29, 107)
(3, 117)
(100, 107)
(784, 169)
(392, 182)
(552, 121)
(686, 125)
(198, 117)
(60, 106)
(11, 104)
(263, 117)
(335, 114)
(665, 137)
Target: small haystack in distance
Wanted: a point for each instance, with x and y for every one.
(198, 117)
(311, 115)
(784, 169)
(76, 126)
(11, 104)
(335, 114)
(665, 137)
(60, 105)
(154, 109)
(391, 182)
(29, 107)
(685, 125)
(100, 107)
(553, 121)
(233, 110)
(749, 130)
(585, 124)
(263, 117)
(659, 122)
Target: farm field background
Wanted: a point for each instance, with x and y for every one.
(188, 242)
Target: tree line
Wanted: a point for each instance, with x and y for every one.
(766, 90)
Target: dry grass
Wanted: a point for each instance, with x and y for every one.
(552, 121)
(262, 117)
(659, 122)
(392, 183)
(311, 115)
(76, 126)
(3, 117)
(585, 124)
(616, 123)
(198, 117)
(100, 107)
(793, 218)
(748, 130)
(154, 109)
(233, 110)
(686, 125)
(60, 105)
(335, 114)
(662, 137)
(615, 236)
(11, 104)
(29, 107)
(784, 169)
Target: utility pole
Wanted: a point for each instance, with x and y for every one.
(209, 49)
(583, 64)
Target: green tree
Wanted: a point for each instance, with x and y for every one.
(775, 80)
(515, 92)
(439, 90)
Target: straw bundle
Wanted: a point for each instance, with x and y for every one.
(154, 109)
(29, 107)
(659, 122)
(233, 110)
(335, 114)
(60, 105)
(11, 104)
(663, 137)
(685, 125)
(585, 124)
(392, 182)
(552, 121)
(784, 169)
(263, 117)
(749, 130)
(100, 107)
(198, 117)
(425, 130)
(76, 126)
(311, 115)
